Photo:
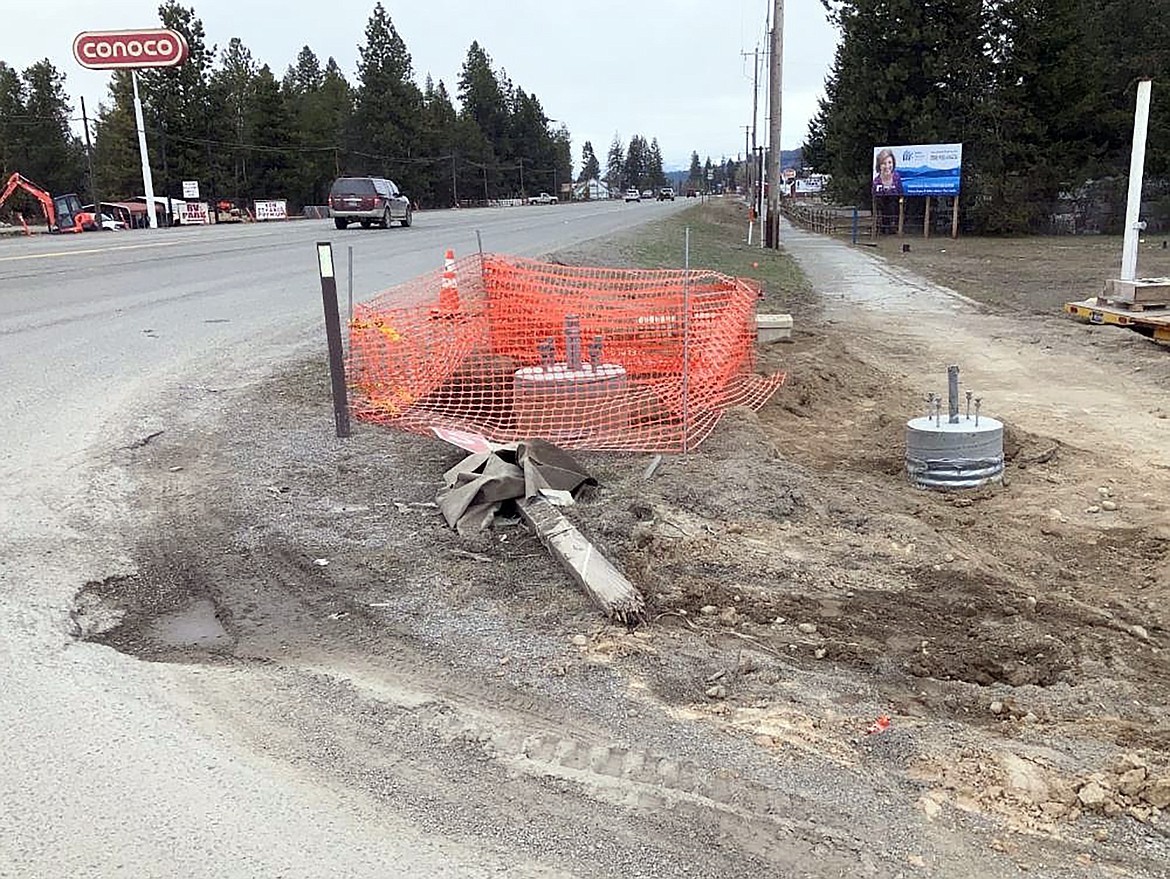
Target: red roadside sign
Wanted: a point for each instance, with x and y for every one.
(111, 50)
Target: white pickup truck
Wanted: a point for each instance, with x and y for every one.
(543, 198)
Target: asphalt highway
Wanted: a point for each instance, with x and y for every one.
(102, 771)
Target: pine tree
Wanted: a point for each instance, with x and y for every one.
(334, 109)
(305, 77)
(54, 157)
(637, 158)
(905, 71)
(116, 161)
(654, 169)
(695, 174)
(14, 123)
(530, 140)
(484, 104)
(234, 85)
(615, 165)
(385, 122)
(562, 147)
(590, 167)
(437, 138)
(268, 122)
(182, 117)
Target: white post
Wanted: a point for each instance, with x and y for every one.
(1137, 162)
(147, 180)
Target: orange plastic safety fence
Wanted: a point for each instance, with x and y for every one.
(589, 358)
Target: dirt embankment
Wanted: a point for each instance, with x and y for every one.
(799, 589)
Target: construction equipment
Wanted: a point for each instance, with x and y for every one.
(63, 213)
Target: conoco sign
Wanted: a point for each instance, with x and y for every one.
(110, 50)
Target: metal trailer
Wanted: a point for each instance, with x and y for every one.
(1152, 321)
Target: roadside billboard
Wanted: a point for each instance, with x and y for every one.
(113, 50)
(272, 209)
(919, 169)
(192, 213)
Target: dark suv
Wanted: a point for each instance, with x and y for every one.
(367, 200)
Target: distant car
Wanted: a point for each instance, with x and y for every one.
(647, 193)
(633, 195)
(368, 200)
(666, 192)
(543, 198)
(112, 225)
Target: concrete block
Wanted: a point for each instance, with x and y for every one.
(1148, 291)
(773, 328)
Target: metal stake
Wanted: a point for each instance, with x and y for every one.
(953, 394)
(482, 273)
(350, 283)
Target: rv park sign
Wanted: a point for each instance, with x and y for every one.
(113, 50)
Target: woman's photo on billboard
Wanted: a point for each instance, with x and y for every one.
(886, 179)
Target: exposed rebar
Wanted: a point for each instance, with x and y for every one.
(573, 341)
(953, 394)
(595, 350)
(548, 353)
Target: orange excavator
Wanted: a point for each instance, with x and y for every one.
(63, 212)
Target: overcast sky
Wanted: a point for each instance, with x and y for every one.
(666, 69)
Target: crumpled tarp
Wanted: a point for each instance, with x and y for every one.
(478, 486)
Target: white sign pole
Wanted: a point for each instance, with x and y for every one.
(1137, 164)
(147, 180)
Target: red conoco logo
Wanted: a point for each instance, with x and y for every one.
(108, 50)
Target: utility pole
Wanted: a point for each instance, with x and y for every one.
(772, 230)
(97, 205)
(747, 158)
(166, 174)
(751, 177)
(755, 95)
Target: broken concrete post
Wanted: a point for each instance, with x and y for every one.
(604, 583)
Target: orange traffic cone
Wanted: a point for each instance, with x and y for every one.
(449, 291)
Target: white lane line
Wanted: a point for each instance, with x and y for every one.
(88, 250)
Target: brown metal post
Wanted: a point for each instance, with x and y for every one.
(926, 220)
(955, 219)
(901, 214)
(333, 337)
